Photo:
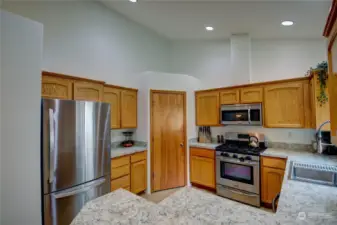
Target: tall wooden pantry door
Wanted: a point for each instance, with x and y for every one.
(168, 139)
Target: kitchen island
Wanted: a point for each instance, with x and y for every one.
(299, 203)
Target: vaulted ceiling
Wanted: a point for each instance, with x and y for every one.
(186, 19)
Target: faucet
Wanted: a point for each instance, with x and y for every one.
(319, 137)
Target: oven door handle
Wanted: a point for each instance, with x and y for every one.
(237, 161)
(241, 193)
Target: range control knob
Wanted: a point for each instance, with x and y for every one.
(248, 158)
(225, 154)
(241, 159)
(235, 156)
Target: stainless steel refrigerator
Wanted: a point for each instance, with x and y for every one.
(75, 156)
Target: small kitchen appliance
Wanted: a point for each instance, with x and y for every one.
(238, 167)
(128, 142)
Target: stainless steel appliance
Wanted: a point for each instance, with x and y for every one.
(75, 156)
(238, 167)
(241, 114)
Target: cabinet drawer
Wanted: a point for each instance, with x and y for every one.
(120, 171)
(120, 183)
(207, 153)
(138, 156)
(274, 162)
(120, 161)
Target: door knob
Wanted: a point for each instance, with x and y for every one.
(181, 144)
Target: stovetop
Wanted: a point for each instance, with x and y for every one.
(241, 148)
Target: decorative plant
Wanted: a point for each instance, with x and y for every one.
(322, 74)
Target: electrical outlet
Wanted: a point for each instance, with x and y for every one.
(290, 134)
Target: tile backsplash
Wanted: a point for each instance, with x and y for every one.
(117, 135)
(299, 136)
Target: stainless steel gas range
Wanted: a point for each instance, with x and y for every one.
(238, 167)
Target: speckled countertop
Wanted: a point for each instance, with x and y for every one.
(117, 152)
(300, 203)
(194, 143)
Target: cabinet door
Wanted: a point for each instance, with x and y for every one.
(230, 96)
(251, 95)
(56, 87)
(283, 105)
(112, 96)
(129, 109)
(138, 176)
(308, 108)
(203, 171)
(271, 183)
(88, 91)
(207, 108)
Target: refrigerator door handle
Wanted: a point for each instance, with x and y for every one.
(51, 145)
(79, 189)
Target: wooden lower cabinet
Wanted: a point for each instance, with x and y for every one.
(272, 173)
(129, 172)
(138, 176)
(202, 167)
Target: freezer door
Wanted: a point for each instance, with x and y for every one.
(76, 143)
(60, 208)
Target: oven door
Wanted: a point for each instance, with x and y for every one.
(240, 175)
(234, 114)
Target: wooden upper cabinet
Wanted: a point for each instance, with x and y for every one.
(88, 91)
(284, 105)
(330, 32)
(207, 108)
(112, 96)
(251, 95)
(128, 109)
(230, 96)
(56, 87)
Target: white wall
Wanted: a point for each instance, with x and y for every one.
(84, 38)
(165, 81)
(240, 58)
(283, 59)
(270, 59)
(206, 60)
(21, 62)
(0, 112)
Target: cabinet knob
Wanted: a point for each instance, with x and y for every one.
(181, 144)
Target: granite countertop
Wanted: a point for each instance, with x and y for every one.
(121, 151)
(212, 146)
(299, 203)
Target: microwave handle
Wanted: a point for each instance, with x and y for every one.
(249, 115)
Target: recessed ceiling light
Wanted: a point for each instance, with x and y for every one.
(133, 0)
(209, 28)
(287, 23)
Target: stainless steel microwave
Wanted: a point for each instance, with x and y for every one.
(241, 114)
